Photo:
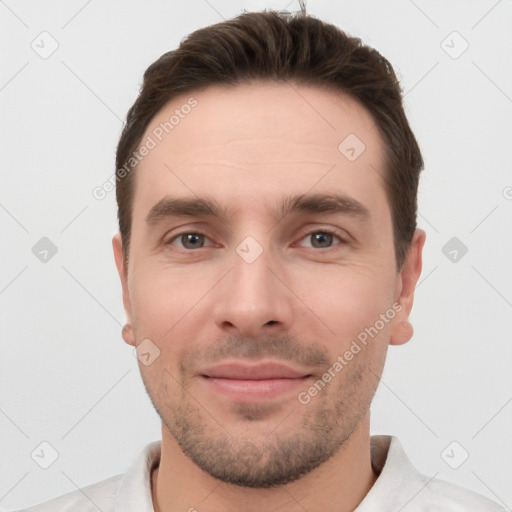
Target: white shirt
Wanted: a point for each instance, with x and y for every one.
(399, 487)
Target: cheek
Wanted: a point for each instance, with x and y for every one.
(162, 299)
(347, 300)
(163, 312)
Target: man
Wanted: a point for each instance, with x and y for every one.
(268, 255)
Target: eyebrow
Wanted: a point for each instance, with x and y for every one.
(324, 203)
(310, 203)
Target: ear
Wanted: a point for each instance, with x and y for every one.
(117, 244)
(410, 272)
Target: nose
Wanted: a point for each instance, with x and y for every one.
(252, 298)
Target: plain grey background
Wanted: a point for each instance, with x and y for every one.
(68, 379)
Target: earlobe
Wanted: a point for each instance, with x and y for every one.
(402, 329)
(401, 333)
(128, 332)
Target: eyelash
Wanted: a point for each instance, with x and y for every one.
(328, 231)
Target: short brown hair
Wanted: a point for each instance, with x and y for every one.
(279, 47)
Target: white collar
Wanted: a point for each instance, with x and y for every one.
(398, 484)
(388, 460)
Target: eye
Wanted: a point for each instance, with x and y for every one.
(188, 240)
(323, 239)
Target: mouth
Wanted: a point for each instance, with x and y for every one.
(253, 382)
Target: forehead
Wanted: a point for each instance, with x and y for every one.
(251, 141)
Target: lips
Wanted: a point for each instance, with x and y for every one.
(253, 382)
(262, 371)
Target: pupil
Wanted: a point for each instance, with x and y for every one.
(322, 239)
(191, 240)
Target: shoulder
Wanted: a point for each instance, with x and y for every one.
(401, 487)
(441, 496)
(127, 492)
(449, 497)
(98, 496)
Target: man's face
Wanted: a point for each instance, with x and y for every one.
(253, 301)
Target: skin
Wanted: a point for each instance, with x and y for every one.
(248, 147)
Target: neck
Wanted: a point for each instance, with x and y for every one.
(178, 484)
